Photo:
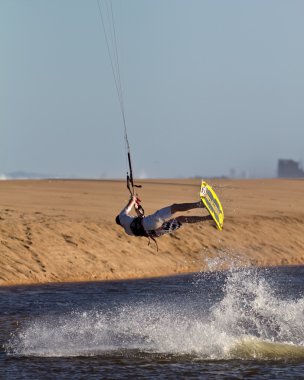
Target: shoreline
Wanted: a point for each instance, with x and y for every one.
(80, 282)
(62, 231)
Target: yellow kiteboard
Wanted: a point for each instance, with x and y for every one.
(213, 204)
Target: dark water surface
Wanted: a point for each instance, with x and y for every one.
(239, 324)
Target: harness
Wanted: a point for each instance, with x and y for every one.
(137, 228)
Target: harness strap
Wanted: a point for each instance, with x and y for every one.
(152, 238)
(138, 230)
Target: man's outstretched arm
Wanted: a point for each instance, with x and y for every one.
(130, 204)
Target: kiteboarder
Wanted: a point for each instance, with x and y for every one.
(155, 225)
(161, 221)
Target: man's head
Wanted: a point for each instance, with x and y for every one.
(117, 220)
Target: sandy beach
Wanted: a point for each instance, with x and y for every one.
(61, 231)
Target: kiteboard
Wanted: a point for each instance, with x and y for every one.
(212, 204)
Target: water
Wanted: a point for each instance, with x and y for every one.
(230, 325)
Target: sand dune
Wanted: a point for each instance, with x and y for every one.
(57, 230)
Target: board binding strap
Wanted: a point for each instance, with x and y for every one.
(212, 204)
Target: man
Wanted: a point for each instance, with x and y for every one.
(154, 225)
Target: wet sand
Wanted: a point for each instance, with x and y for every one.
(56, 231)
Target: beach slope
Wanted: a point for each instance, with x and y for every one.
(56, 230)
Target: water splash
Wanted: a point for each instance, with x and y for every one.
(225, 259)
(247, 320)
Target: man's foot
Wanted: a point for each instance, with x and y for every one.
(203, 192)
(200, 204)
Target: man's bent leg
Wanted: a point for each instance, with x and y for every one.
(154, 221)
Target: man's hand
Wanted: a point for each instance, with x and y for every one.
(137, 201)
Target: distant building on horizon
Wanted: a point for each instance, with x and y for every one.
(289, 169)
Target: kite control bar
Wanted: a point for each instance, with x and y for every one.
(138, 206)
(131, 185)
(130, 181)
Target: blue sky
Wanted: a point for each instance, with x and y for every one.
(209, 86)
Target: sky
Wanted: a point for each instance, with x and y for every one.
(210, 87)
